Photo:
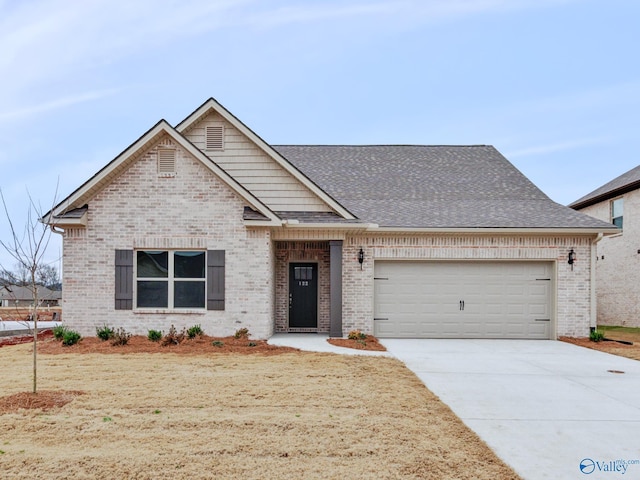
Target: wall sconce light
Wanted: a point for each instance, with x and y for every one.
(361, 257)
(572, 258)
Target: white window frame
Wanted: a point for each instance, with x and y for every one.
(170, 279)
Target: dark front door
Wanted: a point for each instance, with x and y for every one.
(303, 295)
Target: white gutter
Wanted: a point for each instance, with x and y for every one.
(493, 230)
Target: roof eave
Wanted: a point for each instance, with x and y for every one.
(616, 192)
(499, 230)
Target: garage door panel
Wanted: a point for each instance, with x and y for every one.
(501, 299)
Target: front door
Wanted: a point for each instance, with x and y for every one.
(303, 295)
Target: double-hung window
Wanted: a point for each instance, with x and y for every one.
(171, 279)
(617, 207)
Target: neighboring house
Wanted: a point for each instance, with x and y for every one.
(618, 264)
(16, 296)
(205, 223)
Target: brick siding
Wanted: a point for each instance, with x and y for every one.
(141, 209)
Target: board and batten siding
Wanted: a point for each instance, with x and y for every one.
(255, 170)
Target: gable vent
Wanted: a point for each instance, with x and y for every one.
(166, 161)
(214, 137)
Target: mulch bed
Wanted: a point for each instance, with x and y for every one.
(615, 348)
(44, 400)
(18, 339)
(368, 343)
(141, 344)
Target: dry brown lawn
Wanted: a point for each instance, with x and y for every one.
(230, 415)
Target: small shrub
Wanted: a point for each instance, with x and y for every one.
(217, 343)
(596, 336)
(154, 335)
(58, 332)
(174, 337)
(253, 344)
(242, 333)
(70, 338)
(356, 335)
(194, 331)
(104, 333)
(120, 337)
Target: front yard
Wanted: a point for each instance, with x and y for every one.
(289, 415)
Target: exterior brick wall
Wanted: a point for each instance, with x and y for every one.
(618, 265)
(572, 302)
(141, 209)
(312, 252)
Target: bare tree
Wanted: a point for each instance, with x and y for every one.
(48, 276)
(28, 247)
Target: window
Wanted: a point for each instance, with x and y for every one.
(170, 279)
(617, 206)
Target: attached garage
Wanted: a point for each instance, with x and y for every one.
(463, 299)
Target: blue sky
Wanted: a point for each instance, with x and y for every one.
(553, 84)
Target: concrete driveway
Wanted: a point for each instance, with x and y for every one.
(548, 409)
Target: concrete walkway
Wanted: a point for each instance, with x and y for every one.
(9, 328)
(547, 408)
(315, 342)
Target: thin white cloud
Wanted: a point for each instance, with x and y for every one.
(556, 147)
(28, 111)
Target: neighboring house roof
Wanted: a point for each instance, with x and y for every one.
(15, 292)
(411, 186)
(624, 183)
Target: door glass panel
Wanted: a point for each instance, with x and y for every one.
(152, 264)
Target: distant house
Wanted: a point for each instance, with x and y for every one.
(16, 296)
(206, 223)
(618, 256)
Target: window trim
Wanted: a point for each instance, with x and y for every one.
(170, 279)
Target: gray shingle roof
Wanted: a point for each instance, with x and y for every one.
(432, 187)
(624, 183)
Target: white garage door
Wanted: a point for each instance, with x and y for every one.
(463, 299)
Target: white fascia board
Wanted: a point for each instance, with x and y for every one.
(262, 223)
(329, 226)
(211, 104)
(493, 231)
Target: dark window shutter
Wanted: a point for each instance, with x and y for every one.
(215, 280)
(124, 279)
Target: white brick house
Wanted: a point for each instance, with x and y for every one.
(205, 223)
(618, 255)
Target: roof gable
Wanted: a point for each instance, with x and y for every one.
(81, 196)
(280, 163)
(624, 183)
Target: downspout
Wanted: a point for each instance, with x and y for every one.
(594, 302)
